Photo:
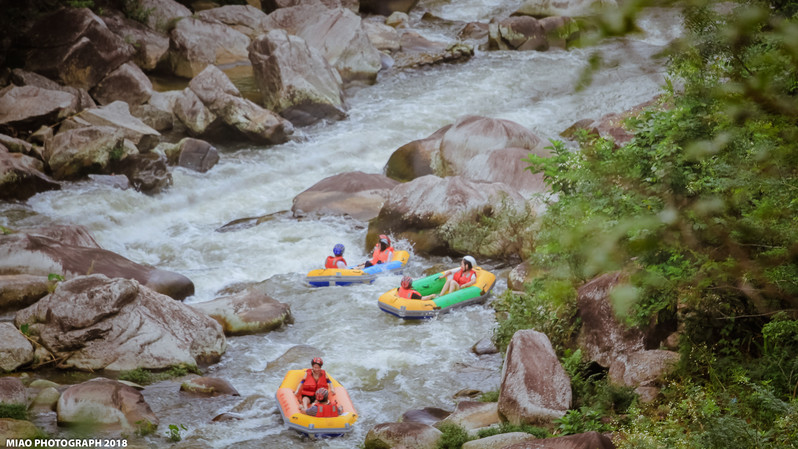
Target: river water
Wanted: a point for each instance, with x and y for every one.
(388, 366)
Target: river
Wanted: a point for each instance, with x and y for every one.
(388, 366)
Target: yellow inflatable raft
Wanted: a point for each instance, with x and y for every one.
(337, 276)
(311, 425)
(390, 302)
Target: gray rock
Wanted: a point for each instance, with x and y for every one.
(356, 194)
(105, 403)
(248, 312)
(15, 351)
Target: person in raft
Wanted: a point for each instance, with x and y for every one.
(322, 407)
(406, 290)
(457, 278)
(383, 252)
(315, 379)
(337, 259)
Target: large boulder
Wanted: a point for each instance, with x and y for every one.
(162, 14)
(245, 19)
(438, 216)
(643, 371)
(356, 194)
(587, 440)
(117, 115)
(27, 108)
(22, 176)
(196, 44)
(295, 80)
(18, 429)
(147, 173)
(39, 255)
(248, 312)
(415, 159)
(517, 33)
(15, 349)
(75, 47)
(427, 415)
(94, 322)
(535, 388)
(337, 33)
(106, 403)
(151, 46)
(127, 83)
(12, 391)
(209, 386)
(404, 434)
(77, 152)
(212, 105)
(197, 155)
(604, 338)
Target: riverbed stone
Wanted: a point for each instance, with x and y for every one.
(105, 403)
(196, 154)
(12, 391)
(15, 145)
(499, 441)
(571, 8)
(127, 83)
(15, 349)
(587, 440)
(18, 291)
(355, 194)
(387, 7)
(117, 115)
(474, 415)
(409, 434)
(414, 159)
(427, 415)
(94, 322)
(150, 46)
(75, 47)
(416, 50)
(517, 33)
(196, 44)
(22, 176)
(247, 312)
(78, 152)
(29, 253)
(245, 19)
(535, 388)
(643, 368)
(148, 173)
(26, 108)
(337, 33)
(296, 80)
(209, 386)
(17, 429)
(45, 399)
(163, 13)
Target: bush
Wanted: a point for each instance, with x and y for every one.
(538, 432)
(13, 411)
(453, 436)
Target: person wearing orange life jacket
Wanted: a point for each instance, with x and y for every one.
(315, 378)
(457, 278)
(337, 260)
(322, 407)
(383, 252)
(406, 290)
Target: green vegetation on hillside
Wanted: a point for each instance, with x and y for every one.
(700, 210)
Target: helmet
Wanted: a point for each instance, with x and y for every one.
(385, 239)
(321, 394)
(470, 260)
(407, 281)
(317, 361)
(338, 249)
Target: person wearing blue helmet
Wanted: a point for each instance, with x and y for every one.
(337, 259)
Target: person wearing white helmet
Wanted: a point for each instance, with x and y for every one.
(458, 278)
(383, 252)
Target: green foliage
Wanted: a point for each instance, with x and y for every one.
(144, 376)
(80, 3)
(453, 436)
(13, 411)
(505, 427)
(135, 11)
(145, 427)
(55, 277)
(174, 432)
(25, 329)
(580, 421)
(5, 231)
(490, 396)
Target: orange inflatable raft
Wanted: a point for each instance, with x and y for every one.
(311, 425)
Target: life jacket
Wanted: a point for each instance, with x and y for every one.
(381, 256)
(463, 278)
(310, 385)
(332, 262)
(326, 410)
(407, 292)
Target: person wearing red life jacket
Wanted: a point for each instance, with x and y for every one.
(315, 378)
(383, 252)
(457, 278)
(337, 259)
(406, 290)
(322, 407)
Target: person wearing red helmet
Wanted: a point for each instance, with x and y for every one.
(383, 252)
(315, 378)
(458, 278)
(322, 407)
(406, 290)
